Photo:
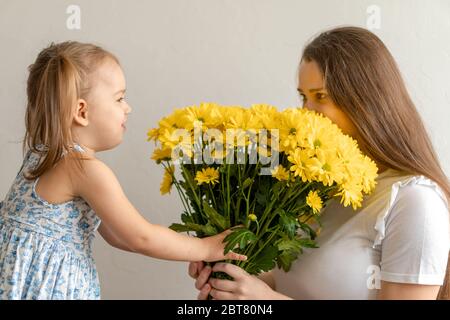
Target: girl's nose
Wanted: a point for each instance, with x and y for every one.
(128, 109)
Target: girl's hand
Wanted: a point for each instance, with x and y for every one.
(216, 246)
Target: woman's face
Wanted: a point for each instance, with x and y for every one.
(315, 97)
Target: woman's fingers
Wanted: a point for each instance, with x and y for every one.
(234, 271)
(223, 285)
(204, 292)
(221, 295)
(203, 277)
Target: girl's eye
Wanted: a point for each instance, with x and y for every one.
(121, 99)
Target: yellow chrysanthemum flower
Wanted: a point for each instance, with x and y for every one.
(299, 159)
(161, 154)
(326, 167)
(368, 175)
(208, 114)
(280, 173)
(167, 182)
(351, 194)
(207, 175)
(291, 128)
(179, 140)
(314, 201)
(267, 115)
(152, 134)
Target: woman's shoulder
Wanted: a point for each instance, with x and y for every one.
(418, 191)
(412, 199)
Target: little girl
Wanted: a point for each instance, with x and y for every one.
(63, 194)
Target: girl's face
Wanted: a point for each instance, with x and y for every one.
(315, 97)
(107, 107)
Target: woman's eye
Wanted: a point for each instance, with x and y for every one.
(302, 99)
(321, 96)
(121, 99)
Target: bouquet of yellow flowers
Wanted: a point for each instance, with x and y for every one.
(264, 172)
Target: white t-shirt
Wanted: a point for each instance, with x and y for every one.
(401, 234)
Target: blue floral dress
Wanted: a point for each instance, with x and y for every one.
(45, 249)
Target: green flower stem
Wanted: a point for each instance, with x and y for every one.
(212, 195)
(228, 194)
(272, 234)
(197, 200)
(261, 232)
(299, 192)
(181, 194)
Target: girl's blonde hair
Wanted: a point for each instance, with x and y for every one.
(57, 79)
(363, 79)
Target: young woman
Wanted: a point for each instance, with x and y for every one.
(396, 246)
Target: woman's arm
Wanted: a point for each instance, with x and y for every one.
(403, 291)
(101, 190)
(268, 278)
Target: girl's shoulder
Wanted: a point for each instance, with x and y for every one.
(61, 183)
(88, 173)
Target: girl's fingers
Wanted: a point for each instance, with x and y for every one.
(235, 256)
(203, 277)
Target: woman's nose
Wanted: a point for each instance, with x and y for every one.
(308, 105)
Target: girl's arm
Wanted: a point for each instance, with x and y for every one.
(99, 187)
(111, 238)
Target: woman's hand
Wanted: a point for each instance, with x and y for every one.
(243, 287)
(201, 274)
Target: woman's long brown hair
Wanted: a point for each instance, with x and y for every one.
(363, 79)
(57, 79)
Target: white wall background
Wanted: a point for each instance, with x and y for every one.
(180, 52)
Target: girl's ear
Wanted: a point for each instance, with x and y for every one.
(81, 113)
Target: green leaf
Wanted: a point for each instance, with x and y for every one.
(285, 260)
(264, 261)
(215, 218)
(186, 227)
(209, 229)
(290, 249)
(186, 218)
(288, 224)
(308, 243)
(239, 237)
(308, 230)
(286, 244)
(188, 177)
